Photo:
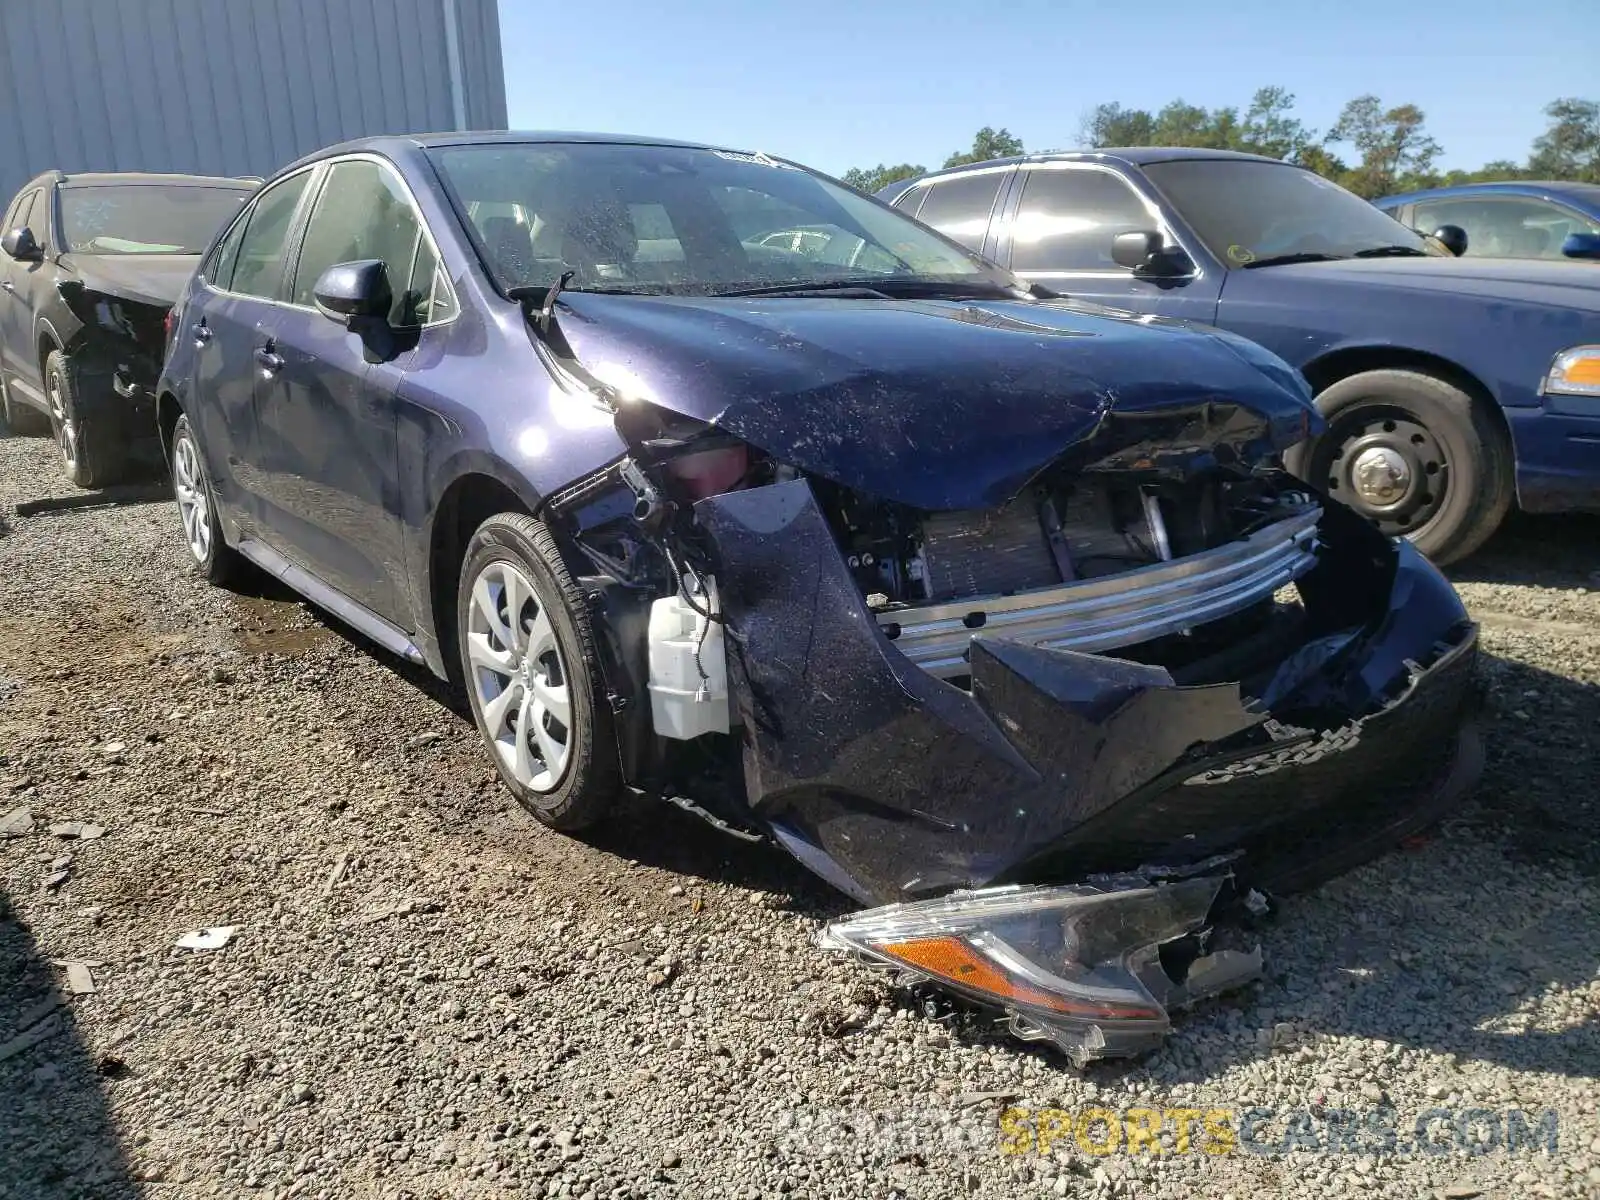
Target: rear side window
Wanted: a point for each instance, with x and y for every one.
(259, 267)
(1068, 218)
(364, 212)
(218, 268)
(960, 208)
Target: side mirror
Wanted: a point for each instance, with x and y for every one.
(1453, 238)
(1582, 245)
(1146, 252)
(21, 245)
(354, 289)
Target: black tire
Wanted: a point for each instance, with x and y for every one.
(20, 419)
(590, 780)
(91, 453)
(1437, 450)
(219, 562)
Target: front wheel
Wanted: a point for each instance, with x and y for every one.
(89, 454)
(527, 655)
(1414, 454)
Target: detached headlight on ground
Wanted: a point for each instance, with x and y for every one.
(1094, 970)
(1575, 372)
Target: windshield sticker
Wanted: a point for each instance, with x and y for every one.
(760, 158)
(1241, 255)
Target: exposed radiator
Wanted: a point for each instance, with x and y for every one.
(992, 552)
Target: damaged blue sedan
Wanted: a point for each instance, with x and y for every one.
(707, 477)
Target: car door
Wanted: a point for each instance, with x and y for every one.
(19, 288)
(1058, 232)
(961, 206)
(235, 316)
(327, 413)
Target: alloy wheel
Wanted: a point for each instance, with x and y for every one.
(519, 677)
(1387, 465)
(61, 420)
(194, 503)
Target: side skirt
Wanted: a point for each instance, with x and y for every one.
(358, 617)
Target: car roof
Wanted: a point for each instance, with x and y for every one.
(1588, 193)
(1137, 156)
(139, 178)
(389, 145)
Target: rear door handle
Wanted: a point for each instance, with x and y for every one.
(8, 285)
(202, 332)
(271, 361)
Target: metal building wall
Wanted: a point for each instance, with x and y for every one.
(234, 87)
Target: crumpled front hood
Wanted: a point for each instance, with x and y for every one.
(941, 405)
(1572, 285)
(157, 279)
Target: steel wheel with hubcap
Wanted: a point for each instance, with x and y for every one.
(526, 654)
(1416, 455)
(1388, 466)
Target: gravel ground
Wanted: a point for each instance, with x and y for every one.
(428, 994)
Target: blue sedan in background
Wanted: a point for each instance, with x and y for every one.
(1451, 386)
(1521, 219)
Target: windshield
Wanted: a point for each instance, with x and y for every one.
(145, 218)
(667, 220)
(1249, 212)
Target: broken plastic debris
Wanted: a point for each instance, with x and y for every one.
(214, 938)
(1256, 903)
(80, 980)
(83, 830)
(16, 823)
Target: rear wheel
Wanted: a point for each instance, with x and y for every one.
(219, 562)
(90, 454)
(527, 655)
(1414, 454)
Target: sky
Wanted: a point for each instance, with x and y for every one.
(843, 83)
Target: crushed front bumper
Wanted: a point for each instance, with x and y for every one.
(895, 785)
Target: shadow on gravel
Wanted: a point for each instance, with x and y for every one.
(1556, 552)
(56, 1132)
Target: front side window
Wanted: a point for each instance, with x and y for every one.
(662, 220)
(30, 215)
(1256, 213)
(363, 213)
(145, 218)
(258, 269)
(960, 208)
(1504, 226)
(1068, 218)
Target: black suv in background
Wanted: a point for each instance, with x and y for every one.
(91, 266)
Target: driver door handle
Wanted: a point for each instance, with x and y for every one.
(271, 361)
(8, 285)
(202, 332)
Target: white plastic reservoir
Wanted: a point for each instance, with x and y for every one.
(688, 666)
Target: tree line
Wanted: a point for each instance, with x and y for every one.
(1372, 149)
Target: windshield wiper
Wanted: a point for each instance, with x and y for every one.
(1392, 252)
(1278, 260)
(881, 287)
